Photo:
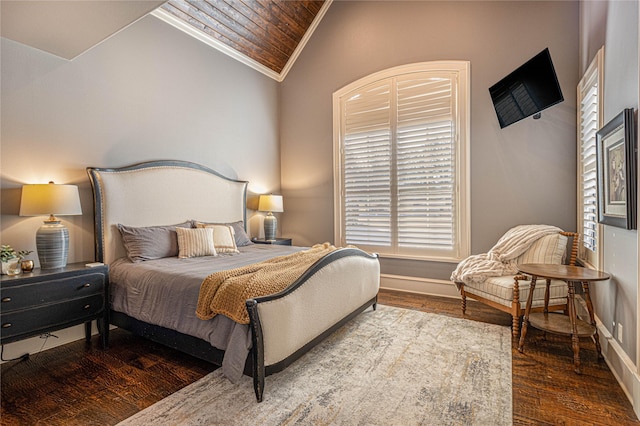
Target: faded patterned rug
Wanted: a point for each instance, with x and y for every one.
(391, 366)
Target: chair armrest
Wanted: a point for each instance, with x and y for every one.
(516, 288)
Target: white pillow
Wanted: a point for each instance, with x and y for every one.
(548, 249)
(223, 237)
(195, 242)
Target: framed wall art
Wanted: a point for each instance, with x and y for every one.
(616, 152)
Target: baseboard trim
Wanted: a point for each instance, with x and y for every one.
(37, 344)
(622, 367)
(428, 286)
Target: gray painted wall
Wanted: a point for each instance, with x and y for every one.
(522, 174)
(149, 92)
(614, 25)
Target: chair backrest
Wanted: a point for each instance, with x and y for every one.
(573, 257)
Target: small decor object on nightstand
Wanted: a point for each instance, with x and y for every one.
(270, 203)
(11, 259)
(26, 266)
(52, 239)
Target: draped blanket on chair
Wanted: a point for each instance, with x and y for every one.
(501, 259)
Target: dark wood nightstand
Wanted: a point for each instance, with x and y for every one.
(52, 299)
(279, 241)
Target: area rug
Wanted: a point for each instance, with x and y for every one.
(391, 366)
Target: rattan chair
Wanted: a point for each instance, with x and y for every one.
(509, 293)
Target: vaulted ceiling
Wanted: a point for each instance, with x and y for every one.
(268, 32)
(267, 35)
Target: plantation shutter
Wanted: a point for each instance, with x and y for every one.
(425, 162)
(367, 166)
(588, 128)
(399, 164)
(589, 122)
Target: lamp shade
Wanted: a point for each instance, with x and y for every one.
(50, 199)
(270, 203)
(52, 238)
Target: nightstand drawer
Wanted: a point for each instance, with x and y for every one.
(51, 316)
(38, 293)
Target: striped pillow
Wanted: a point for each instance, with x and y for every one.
(195, 242)
(223, 237)
(548, 249)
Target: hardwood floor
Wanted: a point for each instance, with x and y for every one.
(79, 384)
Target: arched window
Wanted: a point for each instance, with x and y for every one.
(401, 161)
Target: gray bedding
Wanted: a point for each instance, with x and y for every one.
(165, 291)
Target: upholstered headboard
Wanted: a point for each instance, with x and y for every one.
(160, 193)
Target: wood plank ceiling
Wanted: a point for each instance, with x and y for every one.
(266, 31)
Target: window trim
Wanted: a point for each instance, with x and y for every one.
(463, 217)
(596, 66)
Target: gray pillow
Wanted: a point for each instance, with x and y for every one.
(241, 237)
(151, 242)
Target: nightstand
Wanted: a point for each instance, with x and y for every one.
(52, 299)
(279, 241)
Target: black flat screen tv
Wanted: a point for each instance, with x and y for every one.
(528, 90)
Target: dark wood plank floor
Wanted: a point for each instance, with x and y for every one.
(79, 384)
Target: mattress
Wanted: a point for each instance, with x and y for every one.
(164, 292)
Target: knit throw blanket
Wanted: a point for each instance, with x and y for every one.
(501, 259)
(226, 292)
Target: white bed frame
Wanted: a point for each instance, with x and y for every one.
(285, 325)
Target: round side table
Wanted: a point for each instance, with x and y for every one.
(558, 323)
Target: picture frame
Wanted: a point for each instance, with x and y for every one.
(616, 153)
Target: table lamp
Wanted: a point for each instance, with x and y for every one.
(270, 203)
(52, 238)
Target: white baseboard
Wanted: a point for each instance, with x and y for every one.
(622, 367)
(432, 287)
(37, 344)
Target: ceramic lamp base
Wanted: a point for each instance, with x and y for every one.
(270, 227)
(52, 242)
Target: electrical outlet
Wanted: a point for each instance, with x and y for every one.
(619, 332)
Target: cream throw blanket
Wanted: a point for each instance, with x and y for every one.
(501, 259)
(226, 292)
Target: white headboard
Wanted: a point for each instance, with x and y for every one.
(160, 193)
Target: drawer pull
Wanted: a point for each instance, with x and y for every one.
(6, 299)
(86, 285)
(87, 306)
(6, 325)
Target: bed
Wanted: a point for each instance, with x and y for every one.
(155, 297)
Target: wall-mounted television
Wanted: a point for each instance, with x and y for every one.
(528, 90)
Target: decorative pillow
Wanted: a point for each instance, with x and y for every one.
(195, 242)
(223, 237)
(548, 249)
(241, 237)
(150, 242)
